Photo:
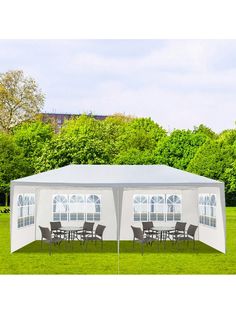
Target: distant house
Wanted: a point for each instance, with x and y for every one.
(59, 118)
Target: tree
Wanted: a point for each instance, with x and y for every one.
(179, 148)
(31, 137)
(20, 99)
(12, 163)
(204, 130)
(216, 159)
(80, 142)
(139, 139)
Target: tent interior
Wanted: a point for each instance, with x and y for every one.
(117, 197)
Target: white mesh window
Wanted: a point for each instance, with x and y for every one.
(159, 207)
(76, 207)
(207, 209)
(25, 209)
(93, 207)
(140, 205)
(60, 207)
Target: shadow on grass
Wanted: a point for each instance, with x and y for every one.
(66, 247)
(168, 247)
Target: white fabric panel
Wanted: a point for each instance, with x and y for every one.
(25, 235)
(127, 217)
(108, 215)
(215, 237)
(190, 209)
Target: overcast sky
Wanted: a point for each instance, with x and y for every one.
(178, 83)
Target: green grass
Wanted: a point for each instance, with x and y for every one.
(67, 260)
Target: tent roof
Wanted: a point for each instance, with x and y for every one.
(117, 175)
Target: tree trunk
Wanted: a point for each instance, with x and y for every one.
(6, 199)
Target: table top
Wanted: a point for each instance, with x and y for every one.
(71, 228)
(163, 228)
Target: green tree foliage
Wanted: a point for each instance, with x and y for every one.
(179, 148)
(80, 142)
(119, 139)
(216, 159)
(204, 130)
(12, 162)
(31, 137)
(138, 141)
(20, 99)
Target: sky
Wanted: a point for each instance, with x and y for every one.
(178, 83)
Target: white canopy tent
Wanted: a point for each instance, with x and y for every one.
(117, 196)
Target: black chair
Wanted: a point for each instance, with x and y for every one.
(87, 230)
(178, 231)
(55, 229)
(147, 229)
(189, 236)
(138, 236)
(47, 237)
(98, 236)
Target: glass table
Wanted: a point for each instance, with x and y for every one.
(163, 231)
(71, 231)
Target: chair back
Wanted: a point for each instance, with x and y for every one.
(147, 225)
(55, 225)
(192, 230)
(99, 230)
(88, 226)
(138, 233)
(180, 226)
(46, 233)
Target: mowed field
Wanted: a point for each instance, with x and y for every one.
(74, 259)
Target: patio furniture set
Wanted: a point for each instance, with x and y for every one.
(151, 233)
(59, 233)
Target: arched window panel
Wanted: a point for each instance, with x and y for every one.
(159, 207)
(93, 204)
(60, 202)
(140, 206)
(26, 209)
(174, 207)
(60, 207)
(207, 209)
(76, 204)
(76, 207)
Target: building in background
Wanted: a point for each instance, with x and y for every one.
(59, 118)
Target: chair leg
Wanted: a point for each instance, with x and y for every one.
(142, 248)
(50, 248)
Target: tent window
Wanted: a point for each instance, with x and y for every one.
(160, 207)
(74, 207)
(25, 210)
(207, 209)
(60, 207)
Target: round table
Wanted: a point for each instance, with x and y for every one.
(71, 231)
(164, 230)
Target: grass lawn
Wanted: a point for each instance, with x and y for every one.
(64, 260)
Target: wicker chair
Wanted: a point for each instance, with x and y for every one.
(87, 230)
(98, 236)
(178, 231)
(147, 229)
(138, 236)
(47, 237)
(190, 235)
(55, 229)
